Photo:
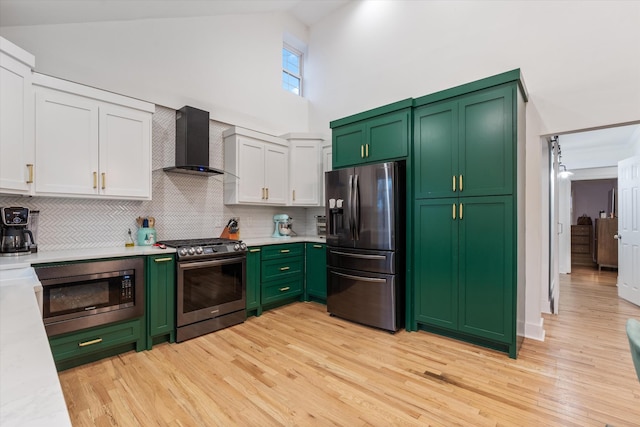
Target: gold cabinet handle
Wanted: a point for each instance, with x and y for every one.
(460, 210)
(460, 186)
(453, 211)
(317, 246)
(284, 268)
(286, 288)
(453, 183)
(362, 151)
(294, 195)
(267, 193)
(95, 180)
(30, 167)
(92, 342)
(254, 250)
(104, 180)
(162, 259)
(284, 251)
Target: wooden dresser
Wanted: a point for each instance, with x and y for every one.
(606, 245)
(582, 244)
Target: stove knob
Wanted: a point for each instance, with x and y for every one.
(243, 246)
(183, 252)
(191, 251)
(199, 250)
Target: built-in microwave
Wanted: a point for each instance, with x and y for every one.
(81, 295)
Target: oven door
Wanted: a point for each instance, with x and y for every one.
(210, 288)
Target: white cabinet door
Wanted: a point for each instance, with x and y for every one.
(276, 174)
(16, 120)
(251, 155)
(125, 152)
(305, 172)
(66, 144)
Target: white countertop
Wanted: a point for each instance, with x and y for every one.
(262, 241)
(30, 392)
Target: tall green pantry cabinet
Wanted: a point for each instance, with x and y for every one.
(468, 204)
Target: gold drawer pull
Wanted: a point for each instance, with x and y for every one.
(104, 180)
(92, 342)
(317, 246)
(284, 251)
(267, 193)
(366, 150)
(460, 210)
(162, 259)
(453, 183)
(254, 250)
(453, 211)
(284, 268)
(286, 288)
(460, 182)
(95, 180)
(30, 167)
(294, 195)
(362, 151)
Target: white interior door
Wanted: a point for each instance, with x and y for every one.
(629, 230)
(554, 227)
(564, 225)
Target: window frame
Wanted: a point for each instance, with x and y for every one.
(288, 47)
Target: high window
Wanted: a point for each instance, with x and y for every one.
(292, 69)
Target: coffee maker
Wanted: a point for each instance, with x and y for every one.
(15, 239)
(283, 226)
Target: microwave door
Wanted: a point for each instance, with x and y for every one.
(339, 215)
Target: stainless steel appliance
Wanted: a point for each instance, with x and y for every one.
(282, 226)
(211, 285)
(87, 294)
(15, 238)
(365, 244)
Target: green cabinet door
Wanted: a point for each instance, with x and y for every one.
(253, 282)
(487, 142)
(387, 137)
(161, 302)
(435, 150)
(436, 262)
(316, 272)
(487, 275)
(348, 145)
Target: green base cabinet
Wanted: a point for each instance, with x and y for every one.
(282, 274)
(253, 295)
(468, 205)
(161, 299)
(372, 137)
(77, 348)
(316, 272)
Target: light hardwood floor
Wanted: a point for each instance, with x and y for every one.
(298, 366)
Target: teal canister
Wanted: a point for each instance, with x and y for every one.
(146, 236)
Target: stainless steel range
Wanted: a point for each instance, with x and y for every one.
(211, 285)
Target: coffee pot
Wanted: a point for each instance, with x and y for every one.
(283, 226)
(15, 238)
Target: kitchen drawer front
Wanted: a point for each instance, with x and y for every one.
(278, 251)
(93, 340)
(282, 269)
(281, 289)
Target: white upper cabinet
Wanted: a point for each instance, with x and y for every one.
(304, 168)
(16, 119)
(256, 168)
(326, 167)
(91, 143)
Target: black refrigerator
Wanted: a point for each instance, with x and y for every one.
(365, 214)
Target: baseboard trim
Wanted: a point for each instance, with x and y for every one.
(535, 331)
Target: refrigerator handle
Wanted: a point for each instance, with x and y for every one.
(356, 209)
(350, 213)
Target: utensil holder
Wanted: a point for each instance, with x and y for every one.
(146, 236)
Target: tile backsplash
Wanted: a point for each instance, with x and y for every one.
(184, 206)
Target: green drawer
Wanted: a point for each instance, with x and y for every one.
(282, 269)
(93, 340)
(286, 249)
(281, 290)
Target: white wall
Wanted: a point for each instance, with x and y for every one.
(228, 65)
(576, 58)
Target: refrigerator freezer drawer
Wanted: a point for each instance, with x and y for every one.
(362, 260)
(370, 299)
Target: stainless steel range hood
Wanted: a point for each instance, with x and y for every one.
(192, 143)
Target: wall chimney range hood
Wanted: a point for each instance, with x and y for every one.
(192, 143)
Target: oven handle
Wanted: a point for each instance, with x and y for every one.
(201, 264)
